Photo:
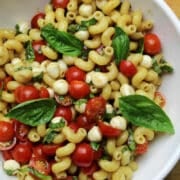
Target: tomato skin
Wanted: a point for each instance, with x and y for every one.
(90, 170)
(74, 126)
(107, 130)
(74, 73)
(95, 108)
(26, 93)
(152, 44)
(64, 112)
(37, 151)
(6, 131)
(78, 89)
(35, 18)
(22, 153)
(49, 149)
(127, 68)
(83, 122)
(37, 50)
(141, 148)
(7, 155)
(83, 155)
(43, 93)
(60, 3)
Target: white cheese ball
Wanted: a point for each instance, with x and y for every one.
(60, 87)
(119, 122)
(94, 134)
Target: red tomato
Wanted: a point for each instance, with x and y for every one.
(127, 68)
(21, 130)
(41, 165)
(60, 3)
(74, 126)
(37, 151)
(78, 89)
(83, 155)
(90, 170)
(95, 108)
(74, 73)
(22, 153)
(152, 44)
(6, 131)
(26, 93)
(5, 81)
(35, 18)
(98, 153)
(83, 122)
(43, 92)
(107, 130)
(37, 50)
(141, 148)
(4, 146)
(49, 149)
(65, 112)
(7, 155)
(159, 99)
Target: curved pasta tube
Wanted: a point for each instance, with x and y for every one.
(142, 134)
(112, 71)
(13, 44)
(111, 146)
(8, 97)
(101, 60)
(93, 43)
(110, 6)
(106, 37)
(100, 175)
(84, 65)
(4, 55)
(109, 166)
(65, 150)
(125, 7)
(122, 138)
(106, 92)
(33, 136)
(124, 172)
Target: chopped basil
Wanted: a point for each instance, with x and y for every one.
(131, 143)
(50, 135)
(34, 112)
(88, 23)
(38, 78)
(120, 44)
(22, 68)
(140, 48)
(29, 51)
(141, 111)
(95, 146)
(62, 42)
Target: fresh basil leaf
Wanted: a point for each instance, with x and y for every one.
(72, 28)
(140, 48)
(50, 135)
(95, 146)
(29, 51)
(88, 23)
(62, 42)
(17, 28)
(141, 111)
(38, 78)
(34, 112)
(120, 44)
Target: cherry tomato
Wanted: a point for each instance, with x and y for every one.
(60, 3)
(83, 122)
(8, 144)
(90, 170)
(152, 44)
(98, 153)
(21, 130)
(65, 112)
(25, 93)
(37, 50)
(7, 155)
(74, 126)
(5, 81)
(6, 131)
(95, 108)
(22, 153)
(127, 68)
(49, 149)
(74, 73)
(107, 130)
(37, 151)
(78, 89)
(35, 18)
(41, 165)
(141, 148)
(83, 155)
(159, 99)
(43, 92)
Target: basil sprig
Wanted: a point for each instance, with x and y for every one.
(29, 52)
(120, 44)
(62, 42)
(33, 112)
(141, 111)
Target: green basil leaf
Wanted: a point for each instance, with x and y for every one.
(95, 146)
(120, 44)
(29, 51)
(141, 111)
(62, 42)
(88, 23)
(50, 135)
(33, 112)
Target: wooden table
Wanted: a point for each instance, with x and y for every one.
(175, 173)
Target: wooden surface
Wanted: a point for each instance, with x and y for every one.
(175, 173)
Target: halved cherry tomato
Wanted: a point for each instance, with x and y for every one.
(6, 131)
(41, 165)
(60, 3)
(95, 108)
(83, 122)
(65, 112)
(107, 130)
(25, 93)
(43, 93)
(37, 50)
(74, 126)
(49, 149)
(22, 153)
(78, 89)
(152, 44)
(21, 130)
(74, 73)
(141, 148)
(98, 153)
(83, 155)
(35, 18)
(37, 151)
(127, 68)
(159, 99)
(90, 170)
(4, 146)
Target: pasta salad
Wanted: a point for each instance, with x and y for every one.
(79, 91)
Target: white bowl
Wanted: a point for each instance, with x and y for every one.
(165, 150)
